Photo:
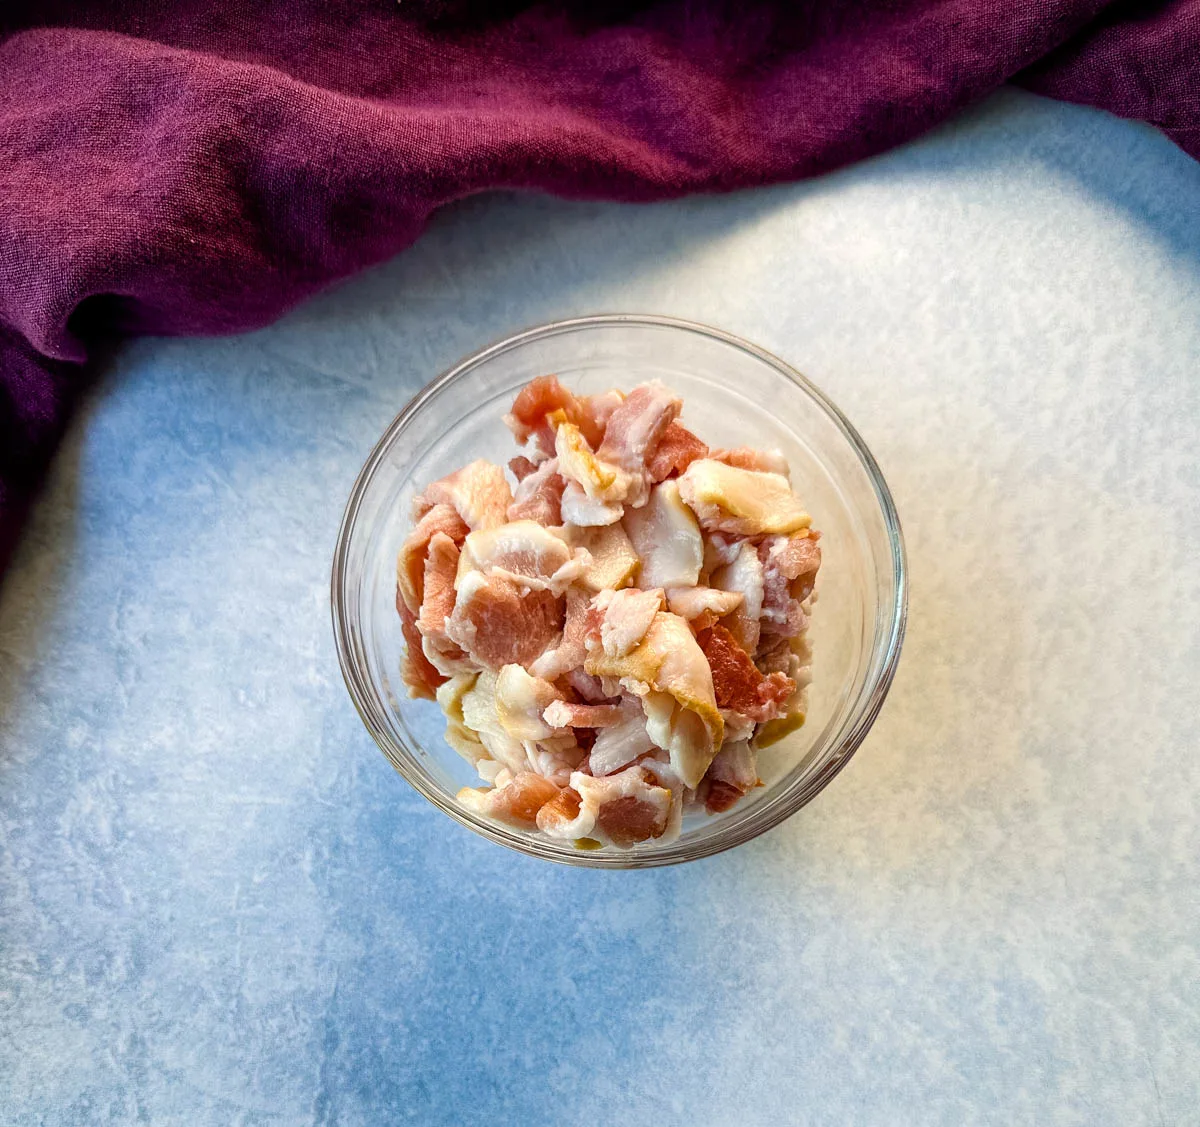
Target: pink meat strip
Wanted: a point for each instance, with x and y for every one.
(635, 427)
(439, 519)
(544, 396)
(441, 565)
(798, 558)
(497, 625)
(738, 683)
(790, 566)
(539, 495)
(416, 670)
(570, 651)
(732, 775)
(676, 449)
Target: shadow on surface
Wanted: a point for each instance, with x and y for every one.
(1129, 164)
(37, 583)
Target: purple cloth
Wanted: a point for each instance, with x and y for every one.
(195, 166)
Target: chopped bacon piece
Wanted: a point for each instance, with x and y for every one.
(627, 615)
(516, 804)
(630, 807)
(737, 682)
(539, 495)
(542, 397)
(570, 652)
(676, 449)
(798, 559)
(587, 512)
(667, 539)
(525, 552)
(520, 699)
(781, 614)
(497, 625)
(478, 492)
(537, 399)
(613, 560)
(636, 426)
(630, 819)
(634, 430)
(410, 563)
(416, 670)
(626, 809)
(744, 575)
(732, 775)
(692, 602)
(745, 502)
(790, 566)
(560, 811)
(441, 566)
(721, 796)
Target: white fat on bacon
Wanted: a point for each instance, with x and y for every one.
(579, 509)
(520, 701)
(745, 577)
(619, 745)
(613, 559)
(692, 602)
(526, 553)
(666, 536)
(579, 463)
(747, 458)
(628, 614)
(571, 714)
(744, 502)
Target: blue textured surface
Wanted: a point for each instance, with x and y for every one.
(219, 905)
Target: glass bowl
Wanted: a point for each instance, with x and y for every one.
(734, 394)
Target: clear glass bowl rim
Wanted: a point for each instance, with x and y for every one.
(885, 657)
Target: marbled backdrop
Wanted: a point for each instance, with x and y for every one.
(219, 905)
